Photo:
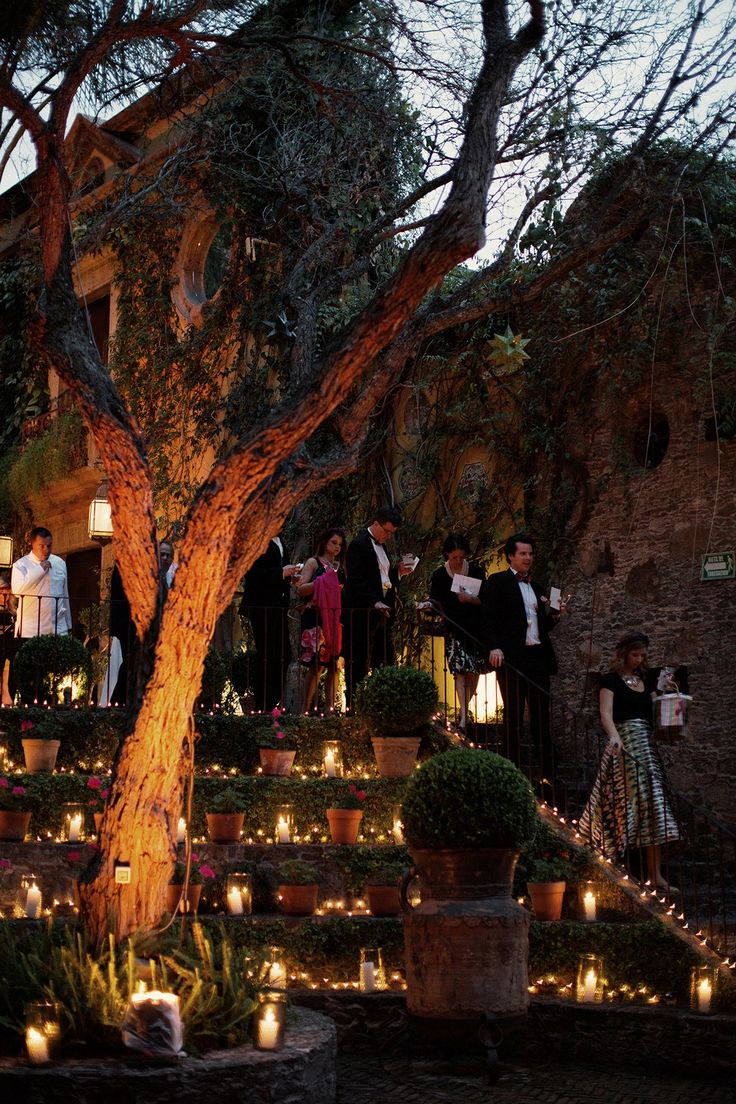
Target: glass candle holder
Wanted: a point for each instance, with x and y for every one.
(3, 757)
(269, 1020)
(703, 981)
(72, 824)
(43, 1032)
(372, 971)
(239, 899)
(284, 823)
(588, 902)
(181, 831)
(332, 759)
(397, 824)
(589, 987)
(30, 898)
(414, 892)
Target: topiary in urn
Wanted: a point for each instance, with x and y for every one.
(394, 702)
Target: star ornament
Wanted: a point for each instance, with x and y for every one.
(507, 350)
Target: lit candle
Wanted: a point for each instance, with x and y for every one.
(283, 830)
(75, 827)
(277, 975)
(591, 982)
(705, 992)
(234, 902)
(589, 905)
(33, 901)
(367, 977)
(37, 1046)
(268, 1030)
(330, 763)
(398, 832)
(181, 831)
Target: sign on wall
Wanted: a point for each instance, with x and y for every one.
(718, 565)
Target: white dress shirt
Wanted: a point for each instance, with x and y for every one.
(530, 607)
(43, 597)
(384, 564)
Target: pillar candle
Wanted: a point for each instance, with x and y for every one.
(268, 1030)
(704, 995)
(181, 831)
(591, 982)
(33, 902)
(37, 1046)
(283, 829)
(589, 905)
(234, 902)
(367, 977)
(75, 827)
(330, 763)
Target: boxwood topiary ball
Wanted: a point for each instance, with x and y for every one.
(466, 799)
(396, 699)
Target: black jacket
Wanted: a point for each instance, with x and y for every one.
(505, 619)
(364, 588)
(264, 583)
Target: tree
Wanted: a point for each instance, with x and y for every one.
(546, 114)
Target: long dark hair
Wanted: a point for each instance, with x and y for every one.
(327, 534)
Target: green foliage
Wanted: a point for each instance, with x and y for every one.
(198, 872)
(467, 798)
(396, 700)
(550, 858)
(89, 737)
(52, 455)
(347, 796)
(370, 864)
(226, 801)
(13, 796)
(44, 661)
(22, 375)
(297, 872)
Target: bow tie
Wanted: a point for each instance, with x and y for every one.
(524, 578)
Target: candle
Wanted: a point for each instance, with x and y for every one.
(33, 901)
(283, 830)
(705, 993)
(367, 977)
(277, 975)
(330, 763)
(75, 827)
(589, 905)
(181, 831)
(398, 832)
(268, 1030)
(591, 982)
(234, 902)
(37, 1046)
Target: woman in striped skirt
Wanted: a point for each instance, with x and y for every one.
(628, 806)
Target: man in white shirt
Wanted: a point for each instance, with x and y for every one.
(39, 582)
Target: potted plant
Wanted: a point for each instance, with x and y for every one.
(96, 803)
(225, 816)
(44, 662)
(14, 814)
(396, 702)
(41, 743)
(198, 872)
(345, 813)
(297, 887)
(381, 889)
(548, 865)
(467, 813)
(276, 749)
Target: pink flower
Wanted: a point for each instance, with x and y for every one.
(353, 788)
(276, 712)
(104, 794)
(195, 858)
(93, 783)
(280, 735)
(26, 726)
(5, 864)
(4, 784)
(206, 871)
(74, 856)
(360, 794)
(18, 790)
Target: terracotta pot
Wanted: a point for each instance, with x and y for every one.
(174, 898)
(98, 822)
(396, 756)
(14, 825)
(40, 755)
(383, 900)
(344, 824)
(276, 762)
(298, 900)
(547, 898)
(467, 941)
(225, 827)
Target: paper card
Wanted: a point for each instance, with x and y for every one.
(466, 584)
(410, 561)
(554, 598)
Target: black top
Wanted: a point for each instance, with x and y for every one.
(364, 586)
(264, 583)
(467, 615)
(628, 704)
(505, 619)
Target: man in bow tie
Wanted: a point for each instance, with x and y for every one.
(518, 621)
(369, 599)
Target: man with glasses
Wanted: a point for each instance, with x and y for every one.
(369, 599)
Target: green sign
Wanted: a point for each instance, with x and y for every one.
(718, 565)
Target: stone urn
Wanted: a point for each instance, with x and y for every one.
(467, 941)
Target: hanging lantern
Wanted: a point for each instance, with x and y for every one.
(6, 552)
(99, 524)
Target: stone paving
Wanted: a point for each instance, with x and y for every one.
(373, 1080)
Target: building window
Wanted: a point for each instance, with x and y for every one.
(651, 440)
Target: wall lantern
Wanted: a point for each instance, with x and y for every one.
(6, 552)
(99, 525)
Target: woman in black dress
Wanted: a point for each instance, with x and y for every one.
(628, 806)
(465, 652)
(320, 630)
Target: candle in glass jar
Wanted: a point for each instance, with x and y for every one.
(367, 977)
(705, 992)
(33, 901)
(591, 981)
(330, 763)
(283, 830)
(277, 975)
(75, 827)
(268, 1030)
(181, 831)
(398, 832)
(589, 905)
(37, 1046)
(234, 902)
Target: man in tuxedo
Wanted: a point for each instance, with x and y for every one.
(518, 621)
(369, 599)
(265, 603)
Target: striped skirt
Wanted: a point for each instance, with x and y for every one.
(628, 805)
